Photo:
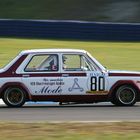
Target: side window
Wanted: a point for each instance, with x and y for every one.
(74, 62)
(71, 62)
(43, 63)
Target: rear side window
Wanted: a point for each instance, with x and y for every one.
(47, 62)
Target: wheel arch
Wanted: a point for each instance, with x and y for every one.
(15, 84)
(121, 83)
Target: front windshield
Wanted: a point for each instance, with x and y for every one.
(86, 64)
(100, 66)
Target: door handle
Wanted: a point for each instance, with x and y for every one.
(26, 76)
(65, 75)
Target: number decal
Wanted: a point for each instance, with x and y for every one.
(97, 83)
(101, 83)
(93, 83)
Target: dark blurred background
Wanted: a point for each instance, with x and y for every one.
(89, 10)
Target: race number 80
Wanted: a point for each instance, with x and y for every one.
(97, 83)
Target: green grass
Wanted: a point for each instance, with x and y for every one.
(70, 131)
(113, 55)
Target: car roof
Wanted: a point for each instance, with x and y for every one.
(52, 51)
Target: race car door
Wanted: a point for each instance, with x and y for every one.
(42, 75)
(80, 76)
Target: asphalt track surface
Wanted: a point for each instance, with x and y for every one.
(77, 113)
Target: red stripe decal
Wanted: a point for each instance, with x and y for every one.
(124, 74)
(56, 74)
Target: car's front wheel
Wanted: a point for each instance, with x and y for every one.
(14, 97)
(125, 95)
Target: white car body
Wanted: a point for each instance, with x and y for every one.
(84, 81)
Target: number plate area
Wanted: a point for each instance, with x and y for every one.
(97, 85)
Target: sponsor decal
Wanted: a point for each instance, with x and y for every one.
(48, 90)
(75, 86)
(48, 86)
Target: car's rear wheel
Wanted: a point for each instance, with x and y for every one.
(14, 97)
(125, 95)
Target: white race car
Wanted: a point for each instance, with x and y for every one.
(65, 75)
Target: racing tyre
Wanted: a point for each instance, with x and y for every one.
(14, 97)
(125, 96)
(114, 102)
